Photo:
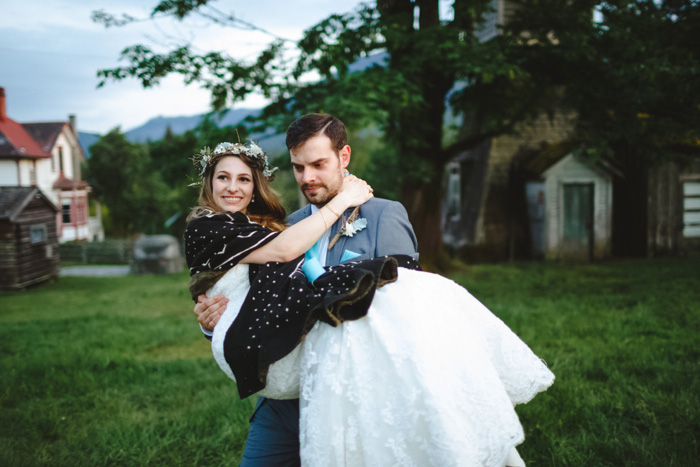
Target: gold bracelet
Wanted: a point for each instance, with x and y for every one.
(325, 224)
(331, 210)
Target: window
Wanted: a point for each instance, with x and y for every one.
(37, 233)
(691, 209)
(66, 213)
(489, 28)
(60, 158)
(454, 193)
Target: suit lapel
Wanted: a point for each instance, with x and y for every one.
(336, 253)
(307, 211)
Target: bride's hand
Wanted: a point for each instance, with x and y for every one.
(209, 310)
(355, 191)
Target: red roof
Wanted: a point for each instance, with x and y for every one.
(65, 183)
(15, 142)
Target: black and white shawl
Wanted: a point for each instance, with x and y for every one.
(281, 305)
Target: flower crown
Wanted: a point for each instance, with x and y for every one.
(208, 158)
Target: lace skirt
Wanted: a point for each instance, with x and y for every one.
(429, 377)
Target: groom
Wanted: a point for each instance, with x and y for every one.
(320, 154)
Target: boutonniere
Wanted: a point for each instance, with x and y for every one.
(350, 227)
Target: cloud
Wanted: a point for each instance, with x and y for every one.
(50, 60)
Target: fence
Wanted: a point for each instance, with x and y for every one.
(111, 251)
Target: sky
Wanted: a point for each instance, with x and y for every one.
(50, 51)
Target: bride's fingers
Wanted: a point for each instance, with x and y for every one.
(217, 309)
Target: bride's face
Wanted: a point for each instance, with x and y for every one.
(232, 184)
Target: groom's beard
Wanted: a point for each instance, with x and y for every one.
(318, 194)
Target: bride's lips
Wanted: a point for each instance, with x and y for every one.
(231, 199)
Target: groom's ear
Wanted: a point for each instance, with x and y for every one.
(344, 155)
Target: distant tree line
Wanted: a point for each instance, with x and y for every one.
(627, 68)
(144, 186)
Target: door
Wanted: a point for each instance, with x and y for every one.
(578, 221)
(536, 212)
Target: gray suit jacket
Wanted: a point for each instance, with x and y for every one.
(388, 232)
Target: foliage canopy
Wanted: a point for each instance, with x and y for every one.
(628, 70)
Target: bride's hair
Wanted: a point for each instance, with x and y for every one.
(266, 209)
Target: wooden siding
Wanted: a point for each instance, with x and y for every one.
(495, 229)
(503, 12)
(665, 217)
(24, 263)
(571, 171)
(459, 231)
(665, 209)
(509, 10)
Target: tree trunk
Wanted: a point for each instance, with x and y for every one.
(423, 201)
(419, 130)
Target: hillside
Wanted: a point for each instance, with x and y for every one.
(155, 128)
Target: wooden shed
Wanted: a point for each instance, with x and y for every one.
(28, 237)
(570, 206)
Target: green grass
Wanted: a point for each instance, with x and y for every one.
(623, 340)
(114, 371)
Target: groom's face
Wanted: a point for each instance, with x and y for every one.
(319, 169)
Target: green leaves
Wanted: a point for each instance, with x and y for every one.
(627, 70)
(630, 75)
(332, 45)
(178, 8)
(143, 185)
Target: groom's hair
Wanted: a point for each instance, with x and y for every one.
(308, 126)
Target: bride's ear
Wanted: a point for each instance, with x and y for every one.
(344, 155)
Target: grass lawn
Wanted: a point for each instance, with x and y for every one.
(114, 371)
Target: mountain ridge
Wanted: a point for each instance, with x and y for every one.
(154, 129)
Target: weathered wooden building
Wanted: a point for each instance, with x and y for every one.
(28, 237)
(496, 207)
(570, 204)
(485, 213)
(657, 207)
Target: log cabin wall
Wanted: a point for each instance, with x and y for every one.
(29, 246)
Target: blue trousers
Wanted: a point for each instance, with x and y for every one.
(273, 439)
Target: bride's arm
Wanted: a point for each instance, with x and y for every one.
(295, 240)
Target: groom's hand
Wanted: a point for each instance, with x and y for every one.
(209, 310)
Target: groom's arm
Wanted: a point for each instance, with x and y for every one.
(208, 311)
(395, 235)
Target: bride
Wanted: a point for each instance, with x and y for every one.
(392, 365)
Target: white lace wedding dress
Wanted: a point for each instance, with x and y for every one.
(429, 377)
